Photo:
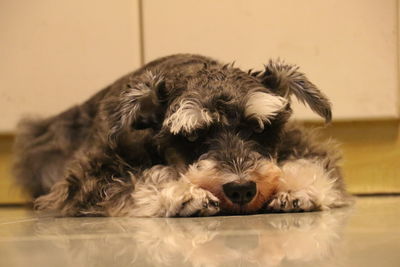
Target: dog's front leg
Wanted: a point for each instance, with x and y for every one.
(307, 186)
(160, 192)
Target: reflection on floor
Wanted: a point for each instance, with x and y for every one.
(367, 234)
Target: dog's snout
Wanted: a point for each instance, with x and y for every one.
(240, 193)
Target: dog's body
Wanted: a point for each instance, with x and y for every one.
(183, 136)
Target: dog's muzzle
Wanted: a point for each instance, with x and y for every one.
(237, 194)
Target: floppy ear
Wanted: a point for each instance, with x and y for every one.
(285, 80)
(139, 105)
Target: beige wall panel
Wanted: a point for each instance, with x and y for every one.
(57, 53)
(347, 47)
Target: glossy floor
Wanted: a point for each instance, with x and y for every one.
(367, 234)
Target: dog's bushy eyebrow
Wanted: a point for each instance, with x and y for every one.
(263, 106)
(187, 115)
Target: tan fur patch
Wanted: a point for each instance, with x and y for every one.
(206, 176)
(266, 176)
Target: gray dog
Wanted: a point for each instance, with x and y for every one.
(183, 136)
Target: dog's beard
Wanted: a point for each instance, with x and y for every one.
(264, 173)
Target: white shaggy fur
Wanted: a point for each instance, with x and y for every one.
(188, 117)
(306, 185)
(160, 194)
(263, 107)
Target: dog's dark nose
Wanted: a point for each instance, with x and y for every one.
(240, 193)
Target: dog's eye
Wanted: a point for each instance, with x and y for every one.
(258, 129)
(245, 132)
(192, 137)
(256, 126)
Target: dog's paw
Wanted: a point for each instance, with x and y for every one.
(172, 199)
(198, 202)
(186, 199)
(291, 202)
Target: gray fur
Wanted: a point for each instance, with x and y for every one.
(92, 158)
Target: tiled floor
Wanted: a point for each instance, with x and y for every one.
(367, 234)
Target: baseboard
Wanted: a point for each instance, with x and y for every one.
(371, 158)
(371, 152)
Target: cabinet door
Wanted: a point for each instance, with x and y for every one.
(347, 47)
(57, 53)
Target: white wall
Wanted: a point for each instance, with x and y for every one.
(347, 47)
(55, 53)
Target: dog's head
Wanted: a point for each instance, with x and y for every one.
(221, 126)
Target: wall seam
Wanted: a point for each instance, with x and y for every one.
(398, 55)
(141, 33)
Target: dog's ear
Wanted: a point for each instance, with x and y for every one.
(139, 105)
(285, 80)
